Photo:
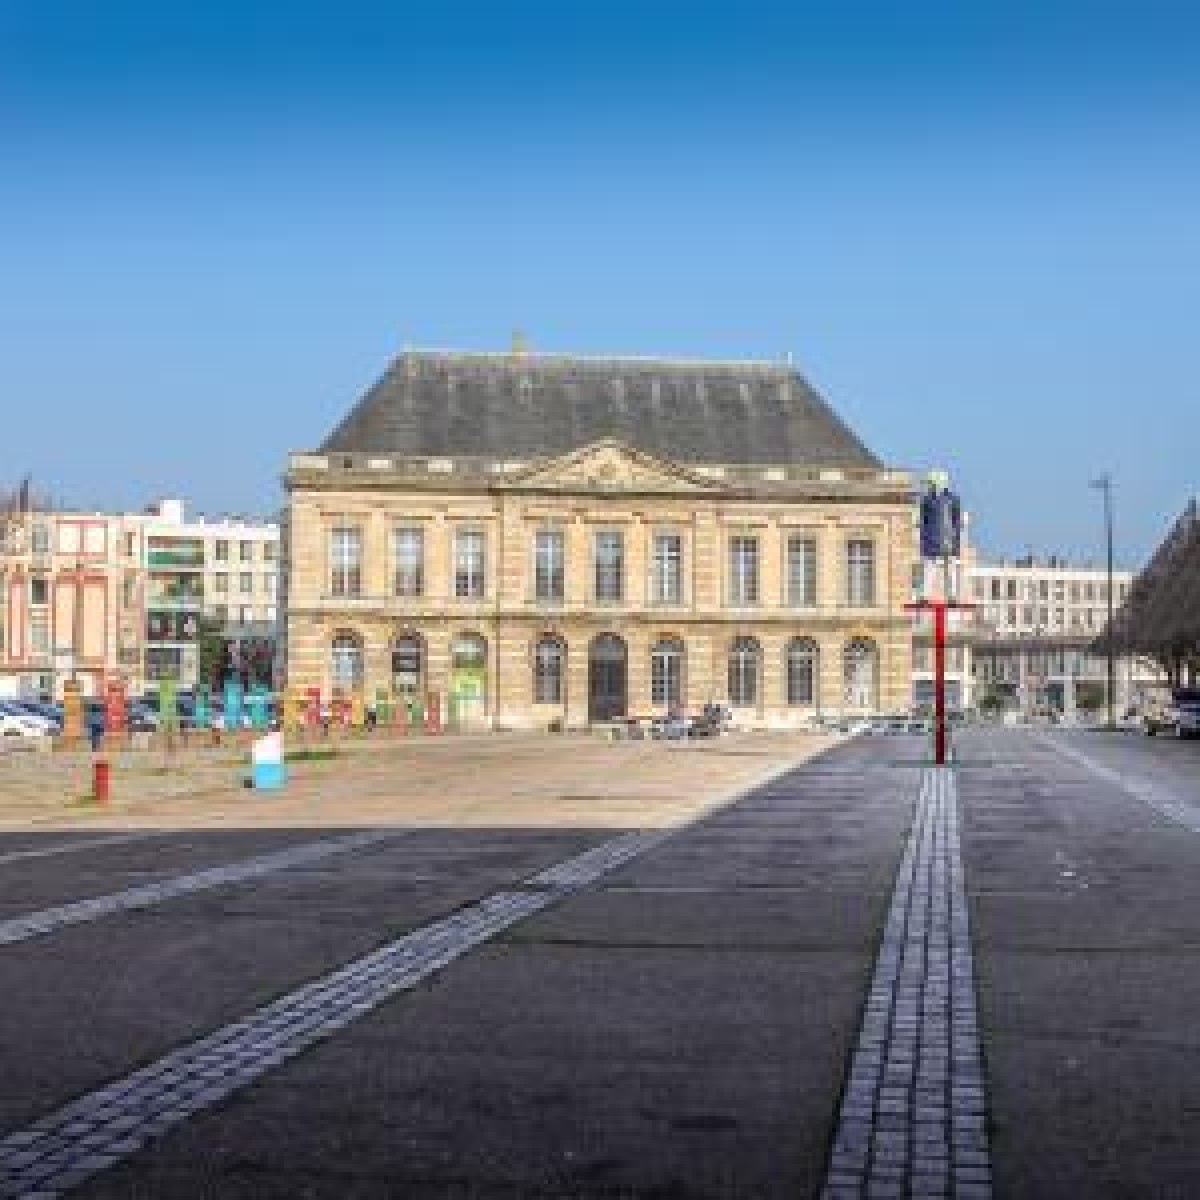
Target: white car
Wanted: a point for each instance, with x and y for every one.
(14, 724)
(24, 712)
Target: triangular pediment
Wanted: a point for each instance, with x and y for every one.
(612, 466)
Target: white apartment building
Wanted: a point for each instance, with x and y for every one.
(1034, 625)
(226, 570)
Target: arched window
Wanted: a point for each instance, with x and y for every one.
(666, 672)
(745, 658)
(802, 659)
(548, 657)
(346, 665)
(860, 665)
(468, 679)
(408, 665)
(468, 653)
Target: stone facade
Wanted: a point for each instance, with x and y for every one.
(611, 582)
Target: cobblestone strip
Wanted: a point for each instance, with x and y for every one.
(95, 843)
(103, 1127)
(913, 1119)
(47, 920)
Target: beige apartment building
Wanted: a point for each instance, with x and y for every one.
(71, 601)
(541, 538)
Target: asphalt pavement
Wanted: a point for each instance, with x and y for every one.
(1085, 907)
(541, 1012)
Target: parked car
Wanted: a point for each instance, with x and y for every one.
(21, 711)
(17, 724)
(1181, 717)
(42, 713)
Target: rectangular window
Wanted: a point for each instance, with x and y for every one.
(469, 564)
(860, 573)
(1060, 589)
(270, 584)
(40, 540)
(246, 583)
(130, 545)
(666, 674)
(1075, 593)
(247, 614)
(129, 591)
(221, 612)
(270, 551)
(549, 571)
(345, 561)
(996, 589)
(1043, 589)
(743, 571)
(1059, 617)
(408, 546)
(39, 590)
(977, 588)
(246, 551)
(610, 568)
(802, 572)
(39, 632)
(1012, 614)
(1010, 590)
(1043, 616)
(221, 583)
(221, 550)
(667, 569)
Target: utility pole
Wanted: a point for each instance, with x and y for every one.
(1104, 484)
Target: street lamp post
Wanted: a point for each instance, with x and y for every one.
(1104, 484)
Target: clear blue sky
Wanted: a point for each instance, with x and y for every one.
(976, 226)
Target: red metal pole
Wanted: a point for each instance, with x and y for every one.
(939, 683)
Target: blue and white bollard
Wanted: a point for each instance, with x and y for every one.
(267, 759)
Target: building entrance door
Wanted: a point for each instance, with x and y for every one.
(606, 678)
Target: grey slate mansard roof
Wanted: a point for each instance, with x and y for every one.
(523, 406)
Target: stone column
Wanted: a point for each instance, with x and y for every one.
(637, 670)
(376, 555)
(577, 679)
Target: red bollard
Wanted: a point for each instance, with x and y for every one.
(101, 774)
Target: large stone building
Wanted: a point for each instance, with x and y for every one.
(542, 538)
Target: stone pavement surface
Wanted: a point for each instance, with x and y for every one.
(513, 779)
(913, 1116)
